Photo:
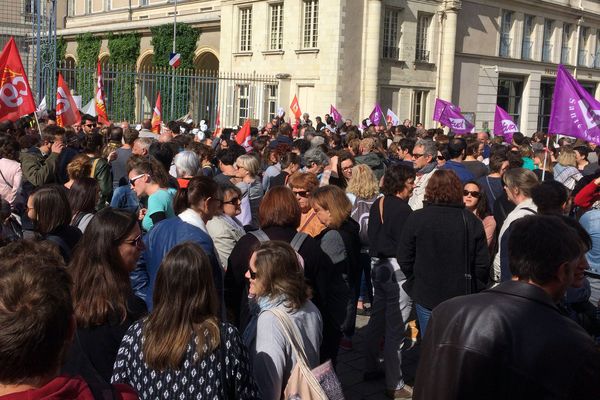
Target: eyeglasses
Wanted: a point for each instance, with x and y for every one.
(135, 178)
(137, 242)
(472, 193)
(441, 158)
(234, 201)
(252, 274)
(348, 168)
(302, 193)
(90, 125)
(417, 155)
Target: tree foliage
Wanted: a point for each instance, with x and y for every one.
(120, 88)
(88, 49)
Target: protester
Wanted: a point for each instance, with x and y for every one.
(187, 165)
(475, 201)
(565, 170)
(104, 302)
(457, 151)
(34, 344)
(516, 316)
(290, 163)
(79, 167)
(424, 161)
(183, 349)
(119, 165)
(391, 304)
(11, 174)
(247, 168)
(442, 227)
(277, 285)
(83, 197)
(101, 170)
(303, 184)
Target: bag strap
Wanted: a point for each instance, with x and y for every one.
(468, 274)
(529, 209)
(381, 208)
(297, 240)
(308, 220)
(291, 333)
(5, 180)
(260, 235)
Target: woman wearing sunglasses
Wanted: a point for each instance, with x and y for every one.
(103, 299)
(224, 228)
(476, 202)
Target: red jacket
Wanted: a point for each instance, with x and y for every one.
(587, 196)
(68, 388)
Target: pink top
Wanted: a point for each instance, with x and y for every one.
(11, 176)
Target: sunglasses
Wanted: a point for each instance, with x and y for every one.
(302, 193)
(90, 125)
(472, 193)
(252, 274)
(137, 242)
(440, 158)
(234, 201)
(417, 155)
(135, 178)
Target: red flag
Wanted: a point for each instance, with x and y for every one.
(218, 124)
(295, 107)
(157, 115)
(66, 110)
(243, 136)
(16, 99)
(100, 105)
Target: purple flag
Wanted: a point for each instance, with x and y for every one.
(337, 117)
(574, 112)
(504, 125)
(376, 115)
(449, 115)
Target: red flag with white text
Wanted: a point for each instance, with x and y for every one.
(16, 99)
(157, 115)
(67, 113)
(100, 104)
(243, 136)
(295, 107)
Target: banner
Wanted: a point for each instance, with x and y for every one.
(295, 107)
(157, 115)
(376, 115)
(67, 112)
(504, 125)
(16, 99)
(449, 115)
(392, 118)
(337, 117)
(575, 112)
(100, 105)
(218, 124)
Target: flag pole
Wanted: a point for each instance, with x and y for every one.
(545, 157)
(173, 72)
(37, 123)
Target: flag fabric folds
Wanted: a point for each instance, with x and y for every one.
(243, 136)
(392, 118)
(449, 115)
(376, 115)
(66, 110)
(574, 112)
(337, 117)
(295, 107)
(157, 115)
(504, 125)
(16, 99)
(100, 104)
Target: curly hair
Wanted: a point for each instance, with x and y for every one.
(363, 182)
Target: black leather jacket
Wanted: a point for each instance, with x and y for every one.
(510, 342)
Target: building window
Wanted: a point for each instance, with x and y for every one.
(597, 53)
(589, 87)
(419, 106)
(510, 91)
(565, 51)
(528, 27)
(505, 29)
(582, 57)
(243, 103)
(271, 102)
(88, 6)
(276, 35)
(422, 48)
(245, 29)
(547, 45)
(70, 9)
(310, 27)
(143, 2)
(390, 34)
(546, 91)
(107, 5)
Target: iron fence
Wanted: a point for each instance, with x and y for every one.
(130, 93)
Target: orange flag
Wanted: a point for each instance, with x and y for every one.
(243, 136)
(295, 107)
(16, 99)
(100, 105)
(66, 110)
(157, 115)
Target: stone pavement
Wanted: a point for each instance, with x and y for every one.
(350, 368)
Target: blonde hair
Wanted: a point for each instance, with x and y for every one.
(249, 163)
(333, 199)
(363, 182)
(567, 157)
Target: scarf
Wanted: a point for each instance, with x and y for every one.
(428, 168)
(257, 305)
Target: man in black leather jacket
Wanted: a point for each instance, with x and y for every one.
(512, 342)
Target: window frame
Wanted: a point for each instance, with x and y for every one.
(275, 27)
(310, 24)
(505, 33)
(245, 29)
(422, 51)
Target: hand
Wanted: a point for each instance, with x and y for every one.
(597, 181)
(142, 213)
(57, 147)
(112, 156)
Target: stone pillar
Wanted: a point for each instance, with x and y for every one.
(448, 50)
(371, 59)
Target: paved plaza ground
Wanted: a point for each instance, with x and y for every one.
(351, 367)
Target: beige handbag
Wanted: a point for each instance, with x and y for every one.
(303, 384)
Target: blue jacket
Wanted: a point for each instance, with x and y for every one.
(159, 241)
(461, 171)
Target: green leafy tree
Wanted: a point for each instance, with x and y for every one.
(88, 49)
(185, 44)
(120, 87)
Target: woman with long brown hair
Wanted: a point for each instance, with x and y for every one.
(183, 350)
(104, 303)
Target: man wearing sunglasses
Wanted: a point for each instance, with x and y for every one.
(425, 163)
(88, 123)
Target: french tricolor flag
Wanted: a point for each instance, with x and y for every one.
(174, 60)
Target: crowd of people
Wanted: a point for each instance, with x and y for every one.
(173, 265)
